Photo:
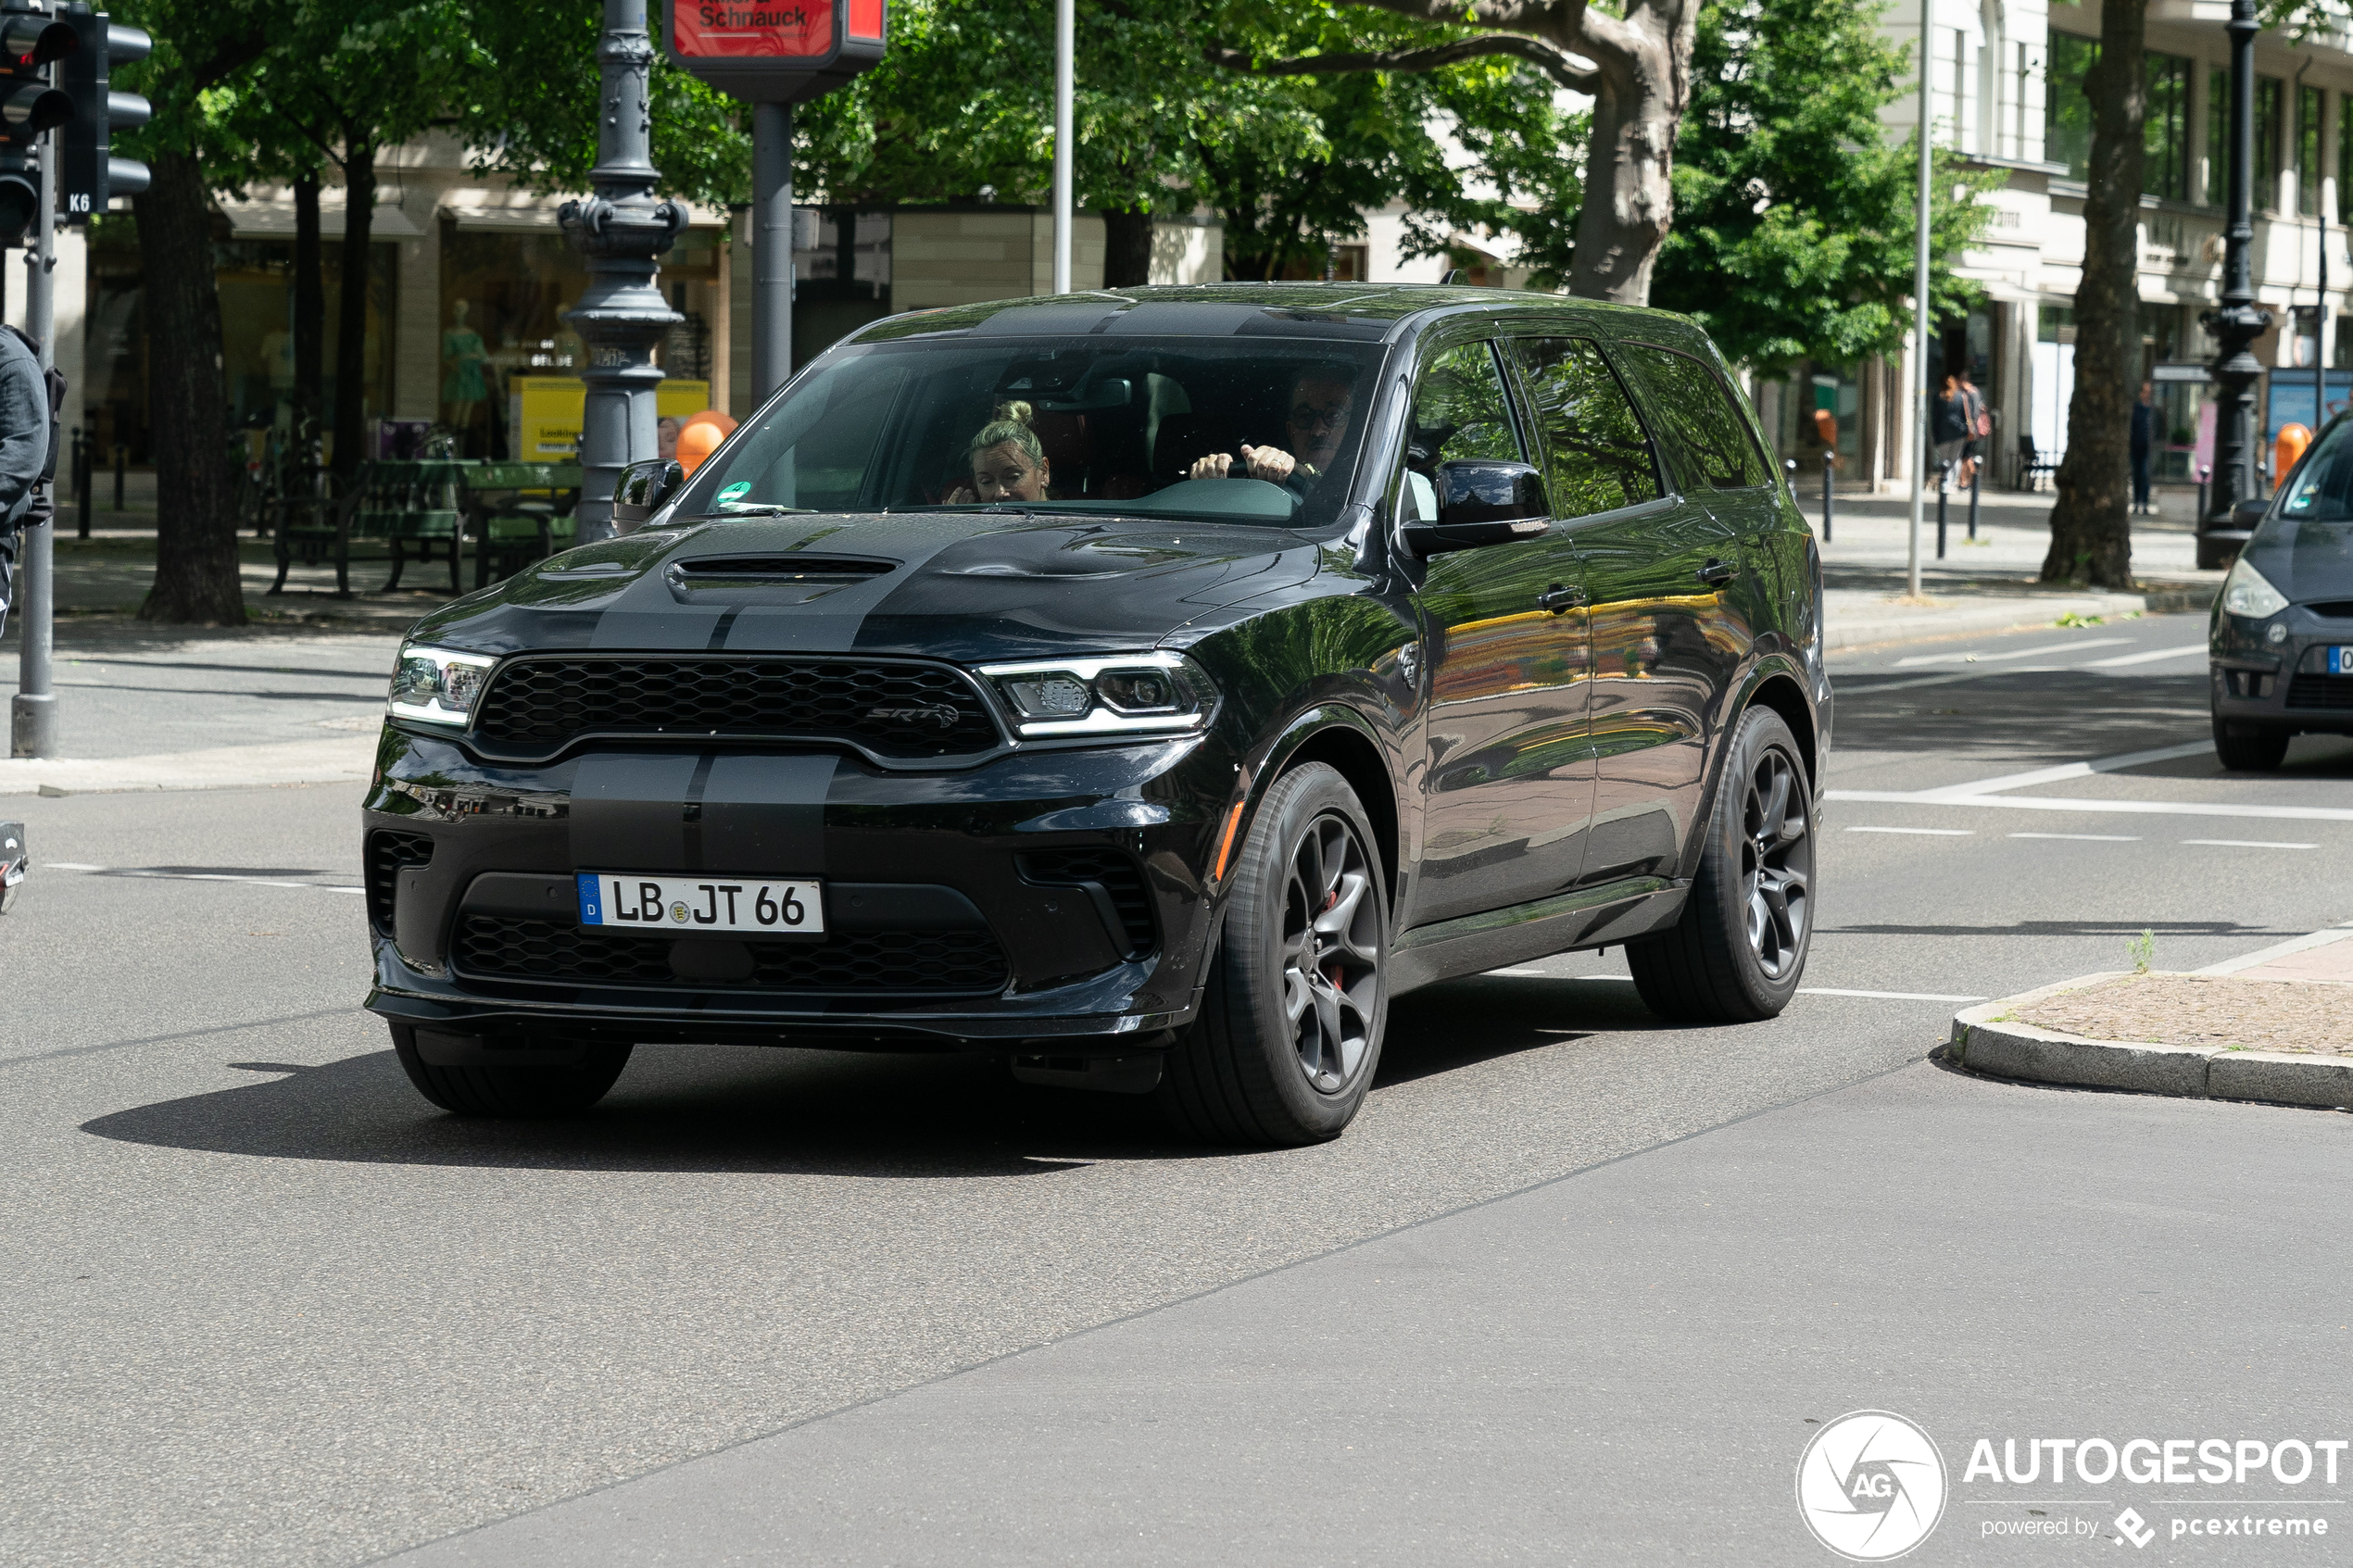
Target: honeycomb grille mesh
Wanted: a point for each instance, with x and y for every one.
(390, 854)
(2321, 691)
(891, 962)
(1113, 871)
(537, 704)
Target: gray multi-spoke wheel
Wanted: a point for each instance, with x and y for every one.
(1739, 949)
(1777, 863)
(1289, 1031)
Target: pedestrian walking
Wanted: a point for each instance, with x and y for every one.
(1979, 418)
(1948, 423)
(28, 448)
(2144, 444)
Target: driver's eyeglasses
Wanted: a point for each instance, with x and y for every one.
(1312, 419)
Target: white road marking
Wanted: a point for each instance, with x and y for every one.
(2077, 770)
(2137, 808)
(2014, 653)
(2086, 837)
(1935, 833)
(2149, 658)
(2279, 950)
(2250, 844)
(1885, 996)
(195, 877)
(69, 866)
(1859, 691)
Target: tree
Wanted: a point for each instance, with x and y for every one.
(1640, 80)
(2091, 526)
(1793, 238)
(197, 49)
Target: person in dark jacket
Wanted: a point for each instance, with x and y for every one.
(1948, 426)
(24, 452)
(2144, 444)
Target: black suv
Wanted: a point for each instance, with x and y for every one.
(1147, 685)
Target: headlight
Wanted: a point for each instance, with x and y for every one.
(437, 686)
(2246, 592)
(1131, 695)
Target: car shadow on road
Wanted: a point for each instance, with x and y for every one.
(720, 1109)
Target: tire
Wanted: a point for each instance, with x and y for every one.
(2249, 748)
(1283, 1051)
(1738, 950)
(517, 1092)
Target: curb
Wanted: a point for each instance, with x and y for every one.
(1986, 1039)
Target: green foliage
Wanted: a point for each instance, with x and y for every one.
(2143, 950)
(1793, 217)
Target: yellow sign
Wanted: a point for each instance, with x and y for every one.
(544, 412)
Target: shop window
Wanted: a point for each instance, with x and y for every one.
(842, 271)
(503, 297)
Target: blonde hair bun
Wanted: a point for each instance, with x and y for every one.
(1015, 410)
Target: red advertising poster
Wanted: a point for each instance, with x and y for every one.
(774, 29)
(865, 19)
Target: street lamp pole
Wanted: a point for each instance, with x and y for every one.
(1922, 306)
(2237, 323)
(1066, 49)
(621, 229)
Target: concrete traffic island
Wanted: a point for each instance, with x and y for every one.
(2274, 1026)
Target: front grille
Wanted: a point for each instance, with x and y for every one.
(2333, 692)
(390, 854)
(537, 705)
(864, 963)
(1108, 869)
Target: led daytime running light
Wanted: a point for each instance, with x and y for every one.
(434, 685)
(1132, 694)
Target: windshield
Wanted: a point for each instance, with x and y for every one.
(2322, 490)
(1245, 432)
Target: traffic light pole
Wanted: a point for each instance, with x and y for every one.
(622, 229)
(32, 713)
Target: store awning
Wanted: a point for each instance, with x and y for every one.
(275, 220)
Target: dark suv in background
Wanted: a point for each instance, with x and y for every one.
(1147, 685)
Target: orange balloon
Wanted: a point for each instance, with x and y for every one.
(2286, 447)
(698, 442)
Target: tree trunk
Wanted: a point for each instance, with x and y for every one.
(1630, 198)
(2091, 526)
(309, 311)
(351, 311)
(196, 579)
(1127, 249)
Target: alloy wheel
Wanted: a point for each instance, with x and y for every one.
(1331, 940)
(1777, 863)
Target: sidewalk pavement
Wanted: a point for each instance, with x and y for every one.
(2272, 1025)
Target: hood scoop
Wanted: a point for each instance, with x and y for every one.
(777, 581)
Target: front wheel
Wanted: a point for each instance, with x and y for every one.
(1289, 1031)
(2249, 748)
(518, 1092)
(1736, 954)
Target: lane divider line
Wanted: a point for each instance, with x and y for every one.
(2250, 844)
(1802, 990)
(2137, 808)
(1972, 658)
(2076, 770)
(1932, 833)
(2149, 658)
(2084, 837)
(138, 874)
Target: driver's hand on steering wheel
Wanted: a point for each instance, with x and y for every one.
(1269, 463)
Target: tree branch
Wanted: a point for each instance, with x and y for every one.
(1555, 63)
(230, 56)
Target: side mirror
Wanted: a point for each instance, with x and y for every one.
(1481, 501)
(2247, 513)
(643, 489)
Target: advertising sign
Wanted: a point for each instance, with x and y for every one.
(776, 51)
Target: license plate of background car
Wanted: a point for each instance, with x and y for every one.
(763, 905)
(2341, 661)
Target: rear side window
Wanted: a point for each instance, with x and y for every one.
(1703, 432)
(1460, 410)
(1599, 456)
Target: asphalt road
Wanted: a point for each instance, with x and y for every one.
(1570, 1290)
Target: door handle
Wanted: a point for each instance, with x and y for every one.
(1558, 599)
(1715, 573)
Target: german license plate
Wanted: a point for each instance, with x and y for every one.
(2341, 661)
(625, 901)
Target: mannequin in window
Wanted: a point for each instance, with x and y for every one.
(463, 355)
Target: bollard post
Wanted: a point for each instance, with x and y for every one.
(81, 485)
(122, 456)
(1943, 473)
(1830, 464)
(1976, 481)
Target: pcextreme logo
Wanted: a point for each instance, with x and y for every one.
(1870, 1485)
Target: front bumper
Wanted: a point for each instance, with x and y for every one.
(2284, 684)
(1043, 894)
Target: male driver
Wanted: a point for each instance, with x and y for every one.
(1320, 404)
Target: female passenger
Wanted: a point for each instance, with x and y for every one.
(1008, 462)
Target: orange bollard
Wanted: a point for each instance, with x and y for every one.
(2286, 447)
(700, 435)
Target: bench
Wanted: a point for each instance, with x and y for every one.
(2031, 467)
(518, 513)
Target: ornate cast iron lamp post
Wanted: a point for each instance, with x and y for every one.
(2237, 322)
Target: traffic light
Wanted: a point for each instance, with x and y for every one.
(88, 175)
(29, 42)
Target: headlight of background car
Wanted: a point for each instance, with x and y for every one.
(1130, 695)
(2246, 592)
(437, 686)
